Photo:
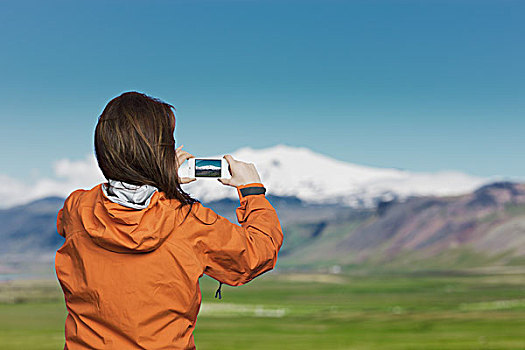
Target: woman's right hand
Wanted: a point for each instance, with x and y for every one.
(183, 156)
(242, 173)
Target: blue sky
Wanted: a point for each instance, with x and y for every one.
(204, 162)
(418, 85)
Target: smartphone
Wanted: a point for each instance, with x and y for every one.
(208, 168)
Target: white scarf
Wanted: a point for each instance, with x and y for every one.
(128, 195)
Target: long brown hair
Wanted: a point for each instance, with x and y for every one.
(134, 143)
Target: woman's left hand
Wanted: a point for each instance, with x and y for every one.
(183, 156)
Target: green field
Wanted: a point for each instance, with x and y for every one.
(315, 311)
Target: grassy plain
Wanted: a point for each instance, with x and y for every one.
(315, 311)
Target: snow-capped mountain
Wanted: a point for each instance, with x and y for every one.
(284, 170)
(209, 167)
(316, 178)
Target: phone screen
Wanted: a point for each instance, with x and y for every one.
(207, 167)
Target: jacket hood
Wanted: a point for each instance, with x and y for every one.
(113, 222)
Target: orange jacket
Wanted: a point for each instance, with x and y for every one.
(131, 277)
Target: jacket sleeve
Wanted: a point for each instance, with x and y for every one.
(234, 254)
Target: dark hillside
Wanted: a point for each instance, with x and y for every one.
(484, 228)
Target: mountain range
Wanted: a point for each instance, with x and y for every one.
(359, 218)
(286, 172)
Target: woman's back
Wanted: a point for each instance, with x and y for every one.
(130, 276)
(134, 250)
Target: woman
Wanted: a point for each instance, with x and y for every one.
(137, 245)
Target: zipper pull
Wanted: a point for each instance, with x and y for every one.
(218, 292)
